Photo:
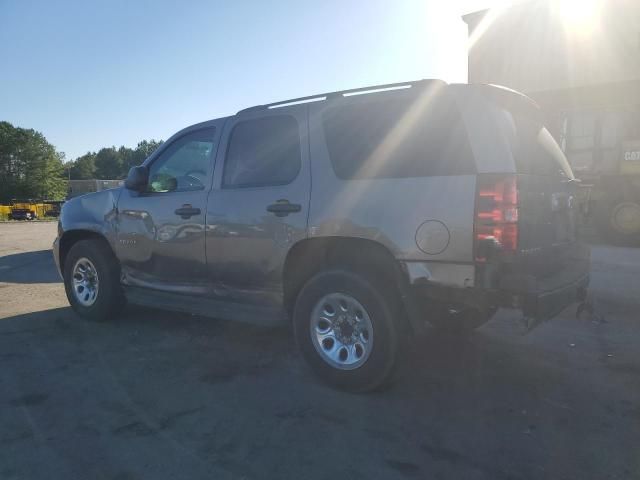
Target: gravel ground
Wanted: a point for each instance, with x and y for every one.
(162, 395)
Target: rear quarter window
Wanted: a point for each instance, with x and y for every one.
(419, 136)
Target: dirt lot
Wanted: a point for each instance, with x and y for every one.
(161, 395)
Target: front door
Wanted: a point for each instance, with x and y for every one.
(161, 238)
(258, 207)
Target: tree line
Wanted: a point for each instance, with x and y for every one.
(32, 168)
(111, 163)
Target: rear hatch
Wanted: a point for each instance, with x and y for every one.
(546, 206)
(546, 253)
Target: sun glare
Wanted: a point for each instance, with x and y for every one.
(579, 16)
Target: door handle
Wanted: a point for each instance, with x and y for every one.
(282, 208)
(187, 211)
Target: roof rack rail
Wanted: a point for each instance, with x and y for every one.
(329, 95)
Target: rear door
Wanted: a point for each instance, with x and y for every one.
(259, 205)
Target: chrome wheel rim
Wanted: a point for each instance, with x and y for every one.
(341, 331)
(85, 282)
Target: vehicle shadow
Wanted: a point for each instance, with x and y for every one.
(233, 349)
(21, 268)
(456, 402)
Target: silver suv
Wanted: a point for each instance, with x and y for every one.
(358, 217)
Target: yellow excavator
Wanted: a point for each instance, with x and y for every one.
(31, 209)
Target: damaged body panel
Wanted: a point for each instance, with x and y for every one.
(93, 214)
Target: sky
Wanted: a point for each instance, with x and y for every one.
(95, 74)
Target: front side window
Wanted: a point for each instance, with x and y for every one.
(263, 152)
(185, 165)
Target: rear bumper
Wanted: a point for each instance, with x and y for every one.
(542, 296)
(546, 304)
(538, 297)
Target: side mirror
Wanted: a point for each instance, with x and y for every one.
(137, 179)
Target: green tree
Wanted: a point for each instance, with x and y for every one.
(30, 167)
(128, 157)
(84, 167)
(134, 157)
(108, 164)
(146, 148)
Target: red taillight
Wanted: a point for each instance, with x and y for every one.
(496, 222)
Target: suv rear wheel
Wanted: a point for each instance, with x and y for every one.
(344, 326)
(92, 280)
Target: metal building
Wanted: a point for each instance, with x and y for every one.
(581, 62)
(81, 187)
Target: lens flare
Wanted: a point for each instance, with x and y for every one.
(579, 16)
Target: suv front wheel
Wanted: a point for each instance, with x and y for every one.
(344, 326)
(92, 280)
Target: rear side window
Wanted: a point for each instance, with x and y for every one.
(263, 152)
(398, 137)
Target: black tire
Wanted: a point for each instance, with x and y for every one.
(110, 299)
(605, 210)
(377, 370)
(462, 322)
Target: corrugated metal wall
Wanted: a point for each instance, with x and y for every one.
(533, 46)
